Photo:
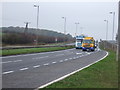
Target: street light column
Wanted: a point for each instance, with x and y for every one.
(106, 28)
(37, 21)
(76, 28)
(113, 24)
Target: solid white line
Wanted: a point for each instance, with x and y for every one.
(8, 72)
(46, 64)
(72, 72)
(53, 62)
(23, 69)
(36, 66)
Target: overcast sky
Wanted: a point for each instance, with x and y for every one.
(90, 15)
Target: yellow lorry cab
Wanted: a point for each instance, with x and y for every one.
(88, 44)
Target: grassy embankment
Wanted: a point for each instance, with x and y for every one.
(31, 50)
(103, 74)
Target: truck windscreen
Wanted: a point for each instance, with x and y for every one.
(79, 40)
(87, 41)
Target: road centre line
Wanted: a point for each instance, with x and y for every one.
(23, 69)
(40, 57)
(59, 55)
(36, 66)
(7, 72)
(11, 61)
(54, 62)
(46, 64)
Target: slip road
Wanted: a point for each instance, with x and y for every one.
(36, 70)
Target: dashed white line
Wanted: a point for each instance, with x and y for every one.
(65, 59)
(17, 61)
(8, 72)
(59, 55)
(40, 57)
(6, 62)
(54, 62)
(70, 58)
(78, 53)
(46, 64)
(36, 66)
(61, 61)
(23, 69)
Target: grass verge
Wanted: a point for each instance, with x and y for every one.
(31, 50)
(103, 74)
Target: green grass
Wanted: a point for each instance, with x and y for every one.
(100, 75)
(31, 50)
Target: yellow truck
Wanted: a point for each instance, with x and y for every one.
(88, 44)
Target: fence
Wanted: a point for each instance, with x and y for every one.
(107, 45)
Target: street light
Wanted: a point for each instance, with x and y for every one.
(64, 25)
(37, 6)
(106, 28)
(76, 27)
(113, 24)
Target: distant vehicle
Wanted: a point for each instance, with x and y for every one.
(79, 40)
(88, 44)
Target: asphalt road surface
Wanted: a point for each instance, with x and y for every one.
(35, 70)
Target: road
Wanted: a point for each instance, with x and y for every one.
(35, 70)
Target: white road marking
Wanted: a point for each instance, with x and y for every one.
(59, 55)
(78, 53)
(23, 69)
(40, 57)
(8, 72)
(61, 78)
(17, 61)
(36, 66)
(46, 64)
(6, 62)
(11, 61)
(34, 54)
(70, 58)
(65, 59)
(61, 61)
(53, 62)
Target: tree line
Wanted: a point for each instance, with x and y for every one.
(19, 35)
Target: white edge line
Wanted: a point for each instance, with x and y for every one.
(72, 72)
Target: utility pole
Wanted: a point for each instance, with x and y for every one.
(26, 26)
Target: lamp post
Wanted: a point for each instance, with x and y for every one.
(64, 24)
(37, 6)
(64, 27)
(113, 24)
(106, 28)
(76, 28)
